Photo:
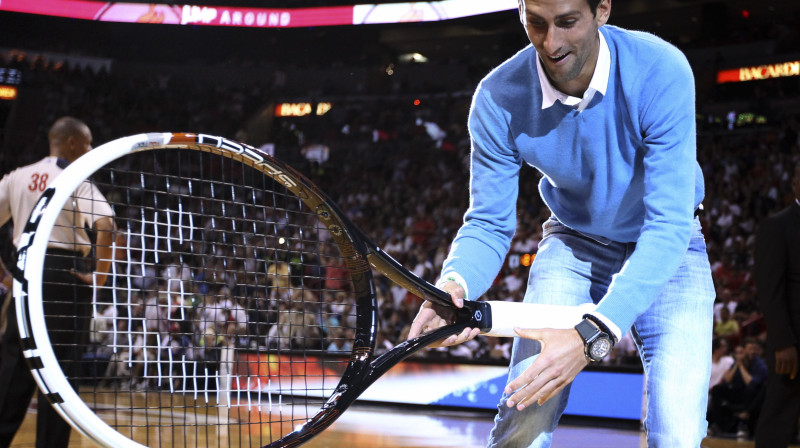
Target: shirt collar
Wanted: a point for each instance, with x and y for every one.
(599, 82)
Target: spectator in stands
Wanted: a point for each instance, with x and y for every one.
(526, 241)
(738, 391)
(724, 300)
(726, 326)
(499, 348)
(340, 340)
(420, 264)
(337, 276)
(625, 351)
(422, 227)
(721, 361)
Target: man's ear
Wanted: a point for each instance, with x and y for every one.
(521, 7)
(603, 12)
(69, 146)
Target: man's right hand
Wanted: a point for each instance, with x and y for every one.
(431, 317)
(786, 361)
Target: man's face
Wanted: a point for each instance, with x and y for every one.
(750, 351)
(723, 347)
(564, 33)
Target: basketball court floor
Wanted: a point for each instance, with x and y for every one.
(402, 427)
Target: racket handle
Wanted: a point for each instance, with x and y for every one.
(507, 315)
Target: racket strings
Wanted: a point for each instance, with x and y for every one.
(228, 315)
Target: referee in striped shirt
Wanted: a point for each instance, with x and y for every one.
(67, 268)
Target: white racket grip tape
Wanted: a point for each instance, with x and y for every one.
(508, 315)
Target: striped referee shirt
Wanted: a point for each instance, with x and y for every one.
(21, 189)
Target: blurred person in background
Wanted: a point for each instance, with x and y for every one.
(777, 260)
(738, 392)
(69, 138)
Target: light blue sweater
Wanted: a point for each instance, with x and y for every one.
(624, 168)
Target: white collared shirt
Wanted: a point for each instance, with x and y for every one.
(599, 82)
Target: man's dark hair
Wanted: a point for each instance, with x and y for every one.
(749, 340)
(65, 127)
(593, 6)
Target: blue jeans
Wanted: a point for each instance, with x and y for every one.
(673, 337)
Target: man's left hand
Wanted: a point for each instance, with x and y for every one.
(561, 359)
(89, 278)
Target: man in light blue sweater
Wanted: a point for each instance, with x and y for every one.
(607, 115)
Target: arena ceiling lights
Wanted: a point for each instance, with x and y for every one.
(234, 16)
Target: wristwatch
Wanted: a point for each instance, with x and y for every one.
(598, 343)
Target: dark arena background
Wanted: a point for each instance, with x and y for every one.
(371, 104)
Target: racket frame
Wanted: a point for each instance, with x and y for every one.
(359, 253)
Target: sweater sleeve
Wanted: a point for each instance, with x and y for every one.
(480, 247)
(666, 115)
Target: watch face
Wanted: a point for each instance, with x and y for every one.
(600, 348)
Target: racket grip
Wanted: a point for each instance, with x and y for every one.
(504, 316)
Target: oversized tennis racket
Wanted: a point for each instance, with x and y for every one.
(240, 308)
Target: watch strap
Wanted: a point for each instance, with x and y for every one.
(587, 331)
(601, 325)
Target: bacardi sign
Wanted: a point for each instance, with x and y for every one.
(759, 72)
(301, 109)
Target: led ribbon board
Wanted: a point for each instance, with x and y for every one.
(188, 14)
